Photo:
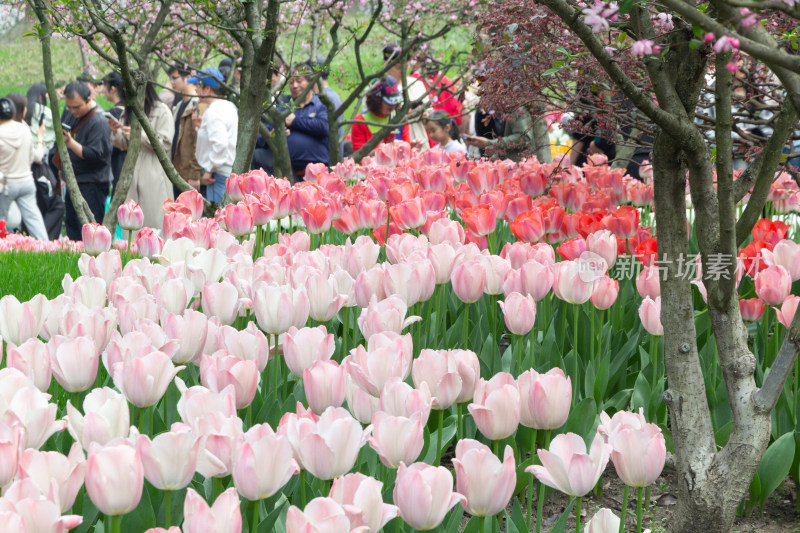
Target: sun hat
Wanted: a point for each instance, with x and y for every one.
(210, 77)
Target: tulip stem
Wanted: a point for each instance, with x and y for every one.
(141, 421)
(533, 479)
(460, 426)
(168, 506)
(116, 524)
(482, 521)
(345, 327)
(465, 330)
(303, 488)
(591, 344)
(439, 437)
(496, 446)
(439, 317)
(519, 354)
(654, 357)
(647, 499)
(624, 509)
(130, 235)
(256, 515)
(539, 507)
(216, 488)
(638, 509)
(578, 514)
(575, 388)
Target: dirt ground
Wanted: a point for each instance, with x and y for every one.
(780, 515)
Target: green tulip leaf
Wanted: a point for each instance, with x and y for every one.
(775, 466)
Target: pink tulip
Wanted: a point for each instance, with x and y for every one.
(361, 498)
(107, 265)
(786, 253)
(469, 280)
(604, 244)
(398, 398)
(324, 301)
(325, 385)
(574, 281)
(32, 359)
(446, 230)
(388, 315)
(98, 324)
(114, 477)
(74, 362)
(451, 375)
(403, 280)
(396, 439)
(321, 514)
(145, 379)
(190, 330)
(638, 454)
(369, 284)
(424, 494)
(30, 406)
(24, 508)
(130, 216)
(220, 435)
(603, 521)
(22, 321)
(773, 285)
(174, 295)
(221, 300)
(536, 279)
(567, 467)
(12, 442)
(519, 313)
(67, 472)
(222, 517)
(303, 347)
(148, 243)
(263, 463)
(197, 401)
(106, 418)
(787, 311)
(388, 355)
(192, 203)
(610, 426)
(361, 404)
(650, 315)
(327, 448)
(96, 238)
(545, 398)
(222, 369)
(278, 308)
(752, 309)
(496, 406)
(606, 292)
(238, 219)
(485, 481)
(647, 282)
(169, 459)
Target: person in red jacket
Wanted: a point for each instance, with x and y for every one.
(382, 99)
(437, 83)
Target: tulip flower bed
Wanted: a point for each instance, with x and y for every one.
(444, 345)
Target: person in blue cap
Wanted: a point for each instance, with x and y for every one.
(217, 130)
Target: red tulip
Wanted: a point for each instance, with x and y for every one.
(316, 217)
(647, 252)
(480, 220)
(529, 227)
(572, 249)
(623, 222)
(752, 257)
(769, 231)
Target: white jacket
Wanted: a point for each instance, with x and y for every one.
(216, 138)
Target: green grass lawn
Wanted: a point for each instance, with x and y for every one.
(26, 274)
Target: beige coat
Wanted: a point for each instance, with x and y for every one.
(150, 186)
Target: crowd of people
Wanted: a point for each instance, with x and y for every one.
(196, 123)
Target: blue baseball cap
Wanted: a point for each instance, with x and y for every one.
(210, 76)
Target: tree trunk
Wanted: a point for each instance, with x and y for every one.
(541, 140)
(82, 209)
